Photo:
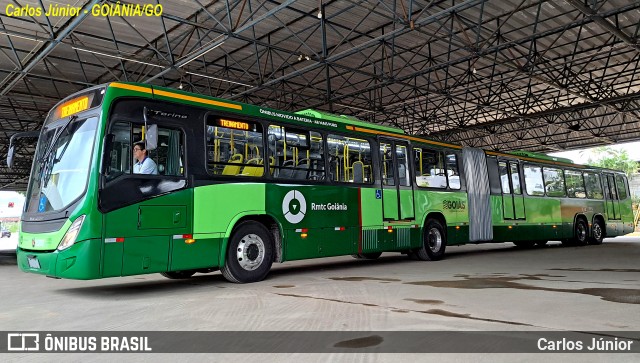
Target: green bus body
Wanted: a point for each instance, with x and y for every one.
(187, 222)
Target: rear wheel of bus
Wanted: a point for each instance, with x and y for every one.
(434, 242)
(597, 232)
(249, 254)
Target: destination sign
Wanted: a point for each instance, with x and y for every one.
(73, 106)
(238, 125)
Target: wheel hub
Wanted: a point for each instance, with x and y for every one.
(434, 240)
(251, 251)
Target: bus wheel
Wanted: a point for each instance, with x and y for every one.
(541, 243)
(434, 244)
(597, 233)
(177, 275)
(580, 232)
(249, 255)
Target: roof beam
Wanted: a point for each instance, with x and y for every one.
(67, 29)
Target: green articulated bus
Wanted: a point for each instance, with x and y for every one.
(237, 187)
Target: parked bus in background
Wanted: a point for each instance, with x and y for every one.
(239, 187)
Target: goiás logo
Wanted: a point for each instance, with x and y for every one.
(294, 207)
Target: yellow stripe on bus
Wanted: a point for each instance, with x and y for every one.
(198, 99)
(406, 137)
(176, 95)
(494, 153)
(131, 87)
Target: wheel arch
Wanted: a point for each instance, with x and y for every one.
(268, 221)
(437, 216)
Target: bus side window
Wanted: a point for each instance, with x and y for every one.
(575, 184)
(169, 154)
(349, 159)
(622, 187)
(234, 148)
(533, 180)
(430, 168)
(593, 186)
(121, 159)
(452, 171)
(296, 154)
(554, 182)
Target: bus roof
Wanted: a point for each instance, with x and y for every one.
(304, 117)
(540, 156)
(348, 119)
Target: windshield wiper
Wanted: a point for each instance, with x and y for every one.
(48, 159)
(56, 137)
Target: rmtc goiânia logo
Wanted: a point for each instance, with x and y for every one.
(294, 206)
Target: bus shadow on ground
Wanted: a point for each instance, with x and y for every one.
(8, 258)
(150, 285)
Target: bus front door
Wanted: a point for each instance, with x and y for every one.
(397, 189)
(611, 196)
(512, 197)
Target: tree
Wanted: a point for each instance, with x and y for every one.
(610, 158)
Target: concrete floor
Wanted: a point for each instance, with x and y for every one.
(494, 287)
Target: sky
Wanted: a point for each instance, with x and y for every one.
(582, 156)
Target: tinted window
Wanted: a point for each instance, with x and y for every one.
(234, 148)
(554, 182)
(349, 159)
(593, 185)
(533, 180)
(168, 156)
(453, 174)
(504, 177)
(575, 184)
(296, 154)
(431, 168)
(515, 178)
(622, 187)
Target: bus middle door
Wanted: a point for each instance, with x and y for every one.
(611, 196)
(397, 189)
(512, 197)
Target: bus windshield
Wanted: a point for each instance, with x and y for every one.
(61, 165)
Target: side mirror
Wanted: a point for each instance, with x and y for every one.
(12, 146)
(12, 150)
(151, 137)
(150, 132)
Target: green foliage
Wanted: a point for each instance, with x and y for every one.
(610, 158)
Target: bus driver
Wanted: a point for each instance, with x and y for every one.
(144, 165)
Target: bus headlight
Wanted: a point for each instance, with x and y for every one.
(70, 237)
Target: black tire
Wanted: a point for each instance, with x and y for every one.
(580, 232)
(541, 243)
(249, 254)
(597, 233)
(178, 275)
(525, 244)
(434, 242)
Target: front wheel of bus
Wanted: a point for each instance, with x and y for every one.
(597, 233)
(250, 253)
(434, 244)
